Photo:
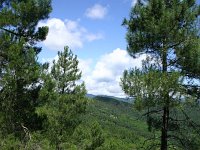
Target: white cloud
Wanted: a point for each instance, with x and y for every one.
(105, 77)
(133, 3)
(96, 12)
(85, 66)
(67, 32)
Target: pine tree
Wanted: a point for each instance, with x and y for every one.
(64, 98)
(20, 71)
(167, 31)
(97, 137)
(89, 137)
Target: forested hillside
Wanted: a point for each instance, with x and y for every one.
(124, 127)
(46, 105)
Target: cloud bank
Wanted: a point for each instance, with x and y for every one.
(104, 78)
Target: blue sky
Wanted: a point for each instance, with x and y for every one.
(92, 29)
(108, 27)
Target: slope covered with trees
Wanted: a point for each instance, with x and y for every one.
(45, 106)
(126, 128)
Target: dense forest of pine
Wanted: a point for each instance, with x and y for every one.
(46, 106)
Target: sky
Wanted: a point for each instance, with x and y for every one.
(93, 31)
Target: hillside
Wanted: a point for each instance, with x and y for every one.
(123, 127)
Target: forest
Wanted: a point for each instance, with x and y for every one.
(46, 106)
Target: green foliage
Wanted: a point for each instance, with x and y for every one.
(162, 24)
(20, 18)
(96, 136)
(63, 98)
(18, 89)
(150, 86)
(19, 68)
(120, 123)
(168, 33)
(45, 106)
(89, 137)
(10, 142)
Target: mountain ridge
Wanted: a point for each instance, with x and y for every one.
(127, 100)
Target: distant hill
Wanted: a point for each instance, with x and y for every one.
(128, 100)
(90, 95)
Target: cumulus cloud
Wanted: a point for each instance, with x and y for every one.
(104, 78)
(85, 66)
(67, 32)
(96, 12)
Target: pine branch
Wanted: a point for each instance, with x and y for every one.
(9, 31)
(152, 112)
(177, 138)
(195, 126)
(177, 120)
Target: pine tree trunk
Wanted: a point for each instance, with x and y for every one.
(164, 135)
(164, 128)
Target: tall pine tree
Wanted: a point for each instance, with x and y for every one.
(64, 99)
(19, 73)
(167, 31)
